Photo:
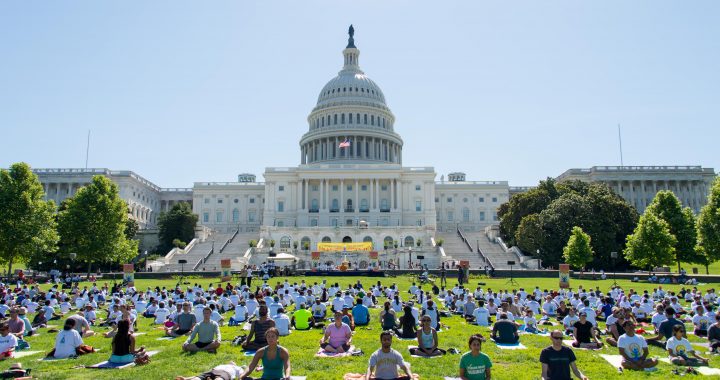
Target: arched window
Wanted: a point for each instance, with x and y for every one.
(349, 118)
(285, 242)
(335, 205)
(365, 119)
(280, 223)
(305, 242)
(409, 241)
(328, 119)
(466, 214)
(326, 239)
(357, 117)
(342, 118)
(347, 239)
(388, 241)
(349, 205)
(367, 239)
(335, 120)
(364, 205)
(236, 215)
(314, 205)
(372, 119)
(384, 204)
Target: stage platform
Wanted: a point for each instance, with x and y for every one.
(348, 273)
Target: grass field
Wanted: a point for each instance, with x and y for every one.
(171, 362)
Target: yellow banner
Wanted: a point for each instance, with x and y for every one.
(350, 247)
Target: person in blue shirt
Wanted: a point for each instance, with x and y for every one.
(360, 313)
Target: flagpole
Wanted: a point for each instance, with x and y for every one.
(87, 150)
(620, 141)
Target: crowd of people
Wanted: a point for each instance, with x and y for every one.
(273, 311)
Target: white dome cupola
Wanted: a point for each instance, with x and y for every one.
(351, 108)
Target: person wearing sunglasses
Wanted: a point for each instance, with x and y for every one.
(558, 360)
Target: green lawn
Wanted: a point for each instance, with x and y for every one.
(170, 362)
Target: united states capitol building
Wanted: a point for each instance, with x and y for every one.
(351, 185)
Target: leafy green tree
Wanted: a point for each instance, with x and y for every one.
(593, 207)
(521, 205)
(578, 251)
(27, 223)
(652, 244)
(94, 223)
(708, 227)
(667, 207)
(178, 223)
(131, 228)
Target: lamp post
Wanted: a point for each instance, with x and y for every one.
(409, 257)
(613, 257)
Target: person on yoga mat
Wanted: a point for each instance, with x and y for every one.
(258, 329)
(557, 360)
(208, 334)
(634, 349)
(385, 361)
(475, 365)
(714, 334)
(387, 317)
(584, 334)
(337, 336)
(123, 346)
(220, 372)
(505, 331)
(427, 340)
(680, 349)
(275, 359)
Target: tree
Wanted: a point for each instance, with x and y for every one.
(94, 223)
(652, 244)
(521, 205)
(178, 223)
(708, 227)
(27, 223)
(578, 251)
(667, 207)
(131, 228)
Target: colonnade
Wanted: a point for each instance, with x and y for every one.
(639, 193)
(361, 147)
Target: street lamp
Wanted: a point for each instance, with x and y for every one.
(613, 256)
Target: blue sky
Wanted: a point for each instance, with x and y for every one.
(184, 91)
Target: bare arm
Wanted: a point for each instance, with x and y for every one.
(488, 373)
(576, 371)
(544, 371)
(368, 374)
(285, 355)
(253, 363)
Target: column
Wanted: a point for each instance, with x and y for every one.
(327, 194)
(392, 194)
(298, 196)
(376, 206)
(632, 194)
(357, 196)
(321, 206)
(342, 196)
(307, 195)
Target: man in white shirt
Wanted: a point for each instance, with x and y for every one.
(634, 349)
(481, 314)
(282, 322)
(7, 342)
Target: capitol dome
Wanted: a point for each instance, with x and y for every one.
(351, 120)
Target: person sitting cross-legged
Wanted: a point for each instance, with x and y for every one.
(257, 330)
(427, 340)
(385, 361)
(505, 331)
(584, 334)
(679, 349)
(558, 360)
(665, 329)
(184, 322)
(208, 334)
(275, 359)
(361, 314)
(337, 336)
(634, 349)
(123, 346)
(302, 318)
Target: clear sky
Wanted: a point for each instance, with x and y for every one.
(186, 91)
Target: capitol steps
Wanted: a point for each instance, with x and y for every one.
(196, 253)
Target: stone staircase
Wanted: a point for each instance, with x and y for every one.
(493, 251)
(196, 253)
(234, 251)
(458, 250)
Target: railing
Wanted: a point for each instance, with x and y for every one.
(462, 237)
(501, 243)
(502, 183)
(485, 258)
(314, 210)
(176, 250)
(349, 210)
(229, 183)
(228, 241)
(204, 259)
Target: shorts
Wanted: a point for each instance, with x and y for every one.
(346, 347)
(215, 373)
(122, 359)
(202, 344)
(181, 331)
(7, 354)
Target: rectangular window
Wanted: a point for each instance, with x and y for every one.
(206, 217)
(349, 187)
(335, 188)
(281, 206)
(363, 187)
(313, 222)
(251, 216)
(219, 217)
(494, 199)
(481, 200)
(220, 201)
(333, 223)
(437, 199)
(281, 188)
(207, 200)
(419, 223)
(482, 216)
(449, 200)
(383, 187)
(417, 187)
(314, 187)
(495, 217)
(418, 205)
(252, 200)
(450, 216)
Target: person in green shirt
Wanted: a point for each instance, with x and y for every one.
(302, 319)
(475, 365)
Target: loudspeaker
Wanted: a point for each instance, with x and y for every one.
(510, 262)
(420, 257)
(182, 261)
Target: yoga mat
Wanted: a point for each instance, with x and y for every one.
(614, 360)
(516, 346)
(322, 354)
(52, 358)
(451, 378)
(166, 338)
(107, 365)
(22, 354)
(247, 326)
(568, 343)
(249, 353)
(361, 376)
(707, 371)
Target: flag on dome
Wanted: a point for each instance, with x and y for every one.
(345, 144)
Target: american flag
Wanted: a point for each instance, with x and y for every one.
(345, 144)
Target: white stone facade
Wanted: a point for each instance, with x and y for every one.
(639, 184)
